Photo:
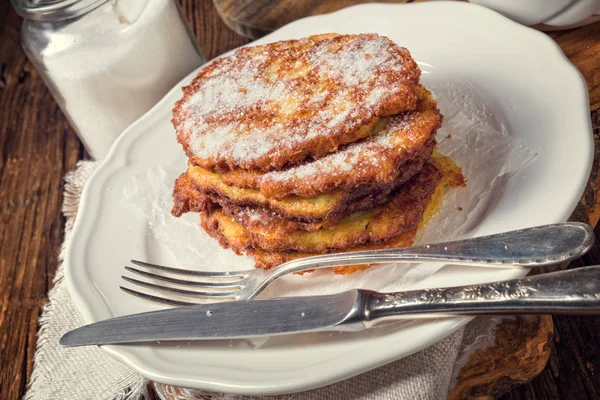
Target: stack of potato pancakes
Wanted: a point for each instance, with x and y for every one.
(301, 147)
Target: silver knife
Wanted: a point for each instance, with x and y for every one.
(575, 291)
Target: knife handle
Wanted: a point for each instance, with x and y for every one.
(575, 291)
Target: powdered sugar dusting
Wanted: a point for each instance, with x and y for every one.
(273, 100)
(251, 213)
(366, 154)
(355, 63)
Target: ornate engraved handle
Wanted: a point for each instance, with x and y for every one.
(575, 291)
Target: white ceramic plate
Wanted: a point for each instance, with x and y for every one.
(534, 92)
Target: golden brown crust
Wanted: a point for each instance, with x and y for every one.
(262, 221)
(268, 106)
(233, 235)
(267, 260)
(404, 211)
(326, 209)
(186, 198)
(453, 178)
(380, 158)
(257, 218)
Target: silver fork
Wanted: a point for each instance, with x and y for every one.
(532, 247)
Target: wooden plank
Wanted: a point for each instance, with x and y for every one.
(520, 353)
(256, 18)
(582, 47)
(36, 149)
(213, 35)
(573, 371)
(17, 352)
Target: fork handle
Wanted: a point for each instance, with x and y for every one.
(531, 247)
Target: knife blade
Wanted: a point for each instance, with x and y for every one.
(226, 320)
(574, 291)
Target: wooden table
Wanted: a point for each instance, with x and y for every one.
(37, 148)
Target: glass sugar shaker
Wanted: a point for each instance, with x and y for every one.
(107, 62)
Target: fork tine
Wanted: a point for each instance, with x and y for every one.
(180, 291)
(220, 285)
(178, 271)
(156, 299)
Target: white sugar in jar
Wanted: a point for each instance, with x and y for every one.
(107, 62)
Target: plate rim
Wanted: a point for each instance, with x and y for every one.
(117, 158)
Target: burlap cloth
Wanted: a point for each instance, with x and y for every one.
(89, 373)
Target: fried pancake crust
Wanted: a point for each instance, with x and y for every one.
(231, 234)
(380, 158)
(187, 198)
(267, 223)
(326, 209)
(267, 260)
(268, 228)
(362, 227)
(268, 106)
(452, 177)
